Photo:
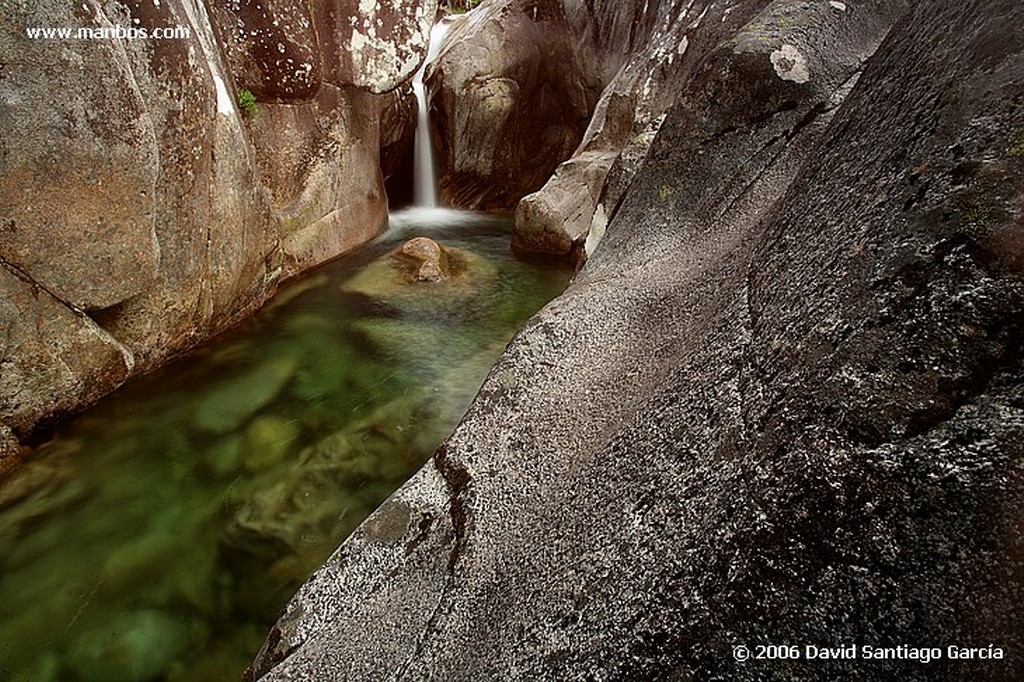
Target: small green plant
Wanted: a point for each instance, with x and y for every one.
(247, 103)
(460, 6)
(975, 223)
(1016, 144)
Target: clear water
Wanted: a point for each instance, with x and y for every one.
(158, 535)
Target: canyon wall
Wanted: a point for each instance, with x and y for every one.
(781, 403)
(143, 209)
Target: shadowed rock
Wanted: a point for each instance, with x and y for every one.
(512, 95)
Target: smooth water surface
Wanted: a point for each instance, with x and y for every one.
(158, 535)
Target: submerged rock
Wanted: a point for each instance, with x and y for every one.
(267, 440)
(222, 458)
(128, 646)
(236, 400)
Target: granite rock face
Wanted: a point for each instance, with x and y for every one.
(142, 210)
(511, 94)
(646, 56)
(782, 403)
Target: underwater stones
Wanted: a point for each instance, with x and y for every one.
(267, 440)
(45, 668)
(275, 517)
(236, 400)
(135, 563)
(223, 457)
(284, 515)
(130, 646)
(430, 259)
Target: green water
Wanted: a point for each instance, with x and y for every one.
(158, 535)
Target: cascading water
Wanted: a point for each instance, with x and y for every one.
(424, 181)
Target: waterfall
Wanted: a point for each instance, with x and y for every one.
(424, 180)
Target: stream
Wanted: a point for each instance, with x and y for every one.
(157, 536)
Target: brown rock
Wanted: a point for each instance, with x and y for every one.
(513, 96)
(10, 449)
(375, 46)
(54, 358)
(431, 261)
(272, 47)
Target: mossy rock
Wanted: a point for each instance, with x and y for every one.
(390, 279)
(129, 646)
(267, 440)
(233, 402)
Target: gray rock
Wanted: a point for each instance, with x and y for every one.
(10, 448)
(782, 403)
(648, 56)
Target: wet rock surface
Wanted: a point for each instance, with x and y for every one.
(782, 403)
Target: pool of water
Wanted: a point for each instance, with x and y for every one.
(158, 535)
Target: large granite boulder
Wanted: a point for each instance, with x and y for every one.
(272, 46)
(511, 94)
(783, 402)
(377, 45)
(142, 209)
(648, 53)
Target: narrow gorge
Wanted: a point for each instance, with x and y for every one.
(511, 340)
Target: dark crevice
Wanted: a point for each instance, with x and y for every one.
(36, 286)
(458, 478)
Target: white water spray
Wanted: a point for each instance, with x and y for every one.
(424, 180)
